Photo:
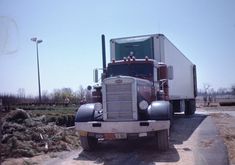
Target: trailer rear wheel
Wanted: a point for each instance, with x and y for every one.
(187, 110)
(190, 107)
(162, 140)
(88, 143)
(176, 105)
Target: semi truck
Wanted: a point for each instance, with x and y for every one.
(145, 82)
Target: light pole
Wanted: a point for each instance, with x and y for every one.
(39, 86)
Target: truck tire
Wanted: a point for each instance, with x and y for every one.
(162, 140)
(187, 108)
(190, 107)
(176, 105)
(88, 143)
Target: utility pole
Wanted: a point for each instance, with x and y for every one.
(39, 85)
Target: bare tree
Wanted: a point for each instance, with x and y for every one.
(81, 93)
(66, 93)
(233, 90)
(206, 87)
(207, 98)
(56, 95)
(222, 91)
(45, 96)
(21, 93)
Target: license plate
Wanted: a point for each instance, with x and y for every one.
(109, 136)
(120, 136)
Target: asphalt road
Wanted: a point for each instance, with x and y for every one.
(193, 141)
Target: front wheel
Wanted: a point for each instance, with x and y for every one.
(88, 143)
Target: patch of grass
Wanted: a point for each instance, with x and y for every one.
(53, 110)
(61, 115)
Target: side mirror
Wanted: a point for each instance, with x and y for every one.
(170, 73)
(96, 79)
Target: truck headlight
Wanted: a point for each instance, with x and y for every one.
(98, 106)
(143, 105)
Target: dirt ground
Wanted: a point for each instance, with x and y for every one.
(226, 125)
(193, 140)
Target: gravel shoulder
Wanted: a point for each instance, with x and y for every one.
(225, 122)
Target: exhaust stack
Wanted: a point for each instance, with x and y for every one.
(103, 53)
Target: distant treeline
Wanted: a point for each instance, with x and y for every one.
(57, 97)
(67, 95)
(220, 92)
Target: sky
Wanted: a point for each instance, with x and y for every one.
(203, 30)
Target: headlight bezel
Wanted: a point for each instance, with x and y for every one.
(143, 105)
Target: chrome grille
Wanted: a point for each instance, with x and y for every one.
(119, 101)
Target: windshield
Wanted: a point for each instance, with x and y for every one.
(141, 70)
(138, 47)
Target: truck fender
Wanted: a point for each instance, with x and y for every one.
(160, 110)
(85, 113)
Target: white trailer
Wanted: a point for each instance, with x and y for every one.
(183, 85)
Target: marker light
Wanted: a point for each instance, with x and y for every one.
(131, 53)
(146, 58)
(133, 58)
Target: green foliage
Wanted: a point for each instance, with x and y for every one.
(62, 116)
